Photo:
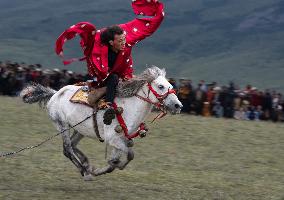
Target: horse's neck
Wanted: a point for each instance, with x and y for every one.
(135, 109)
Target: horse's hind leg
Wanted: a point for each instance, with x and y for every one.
(75, 139)
(68, 150)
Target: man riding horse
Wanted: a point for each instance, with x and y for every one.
(108, 51)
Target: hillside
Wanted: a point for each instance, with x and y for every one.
(206, 39)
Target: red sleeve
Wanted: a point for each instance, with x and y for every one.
(86, 31)
(128, 73)
(140, 28)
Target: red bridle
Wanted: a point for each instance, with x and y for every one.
(160, 105)
(160, 97)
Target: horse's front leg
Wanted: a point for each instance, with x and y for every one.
(129, 157)
(113, 163)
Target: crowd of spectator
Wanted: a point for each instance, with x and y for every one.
(14, 76)
(204, 99)
(230, 101)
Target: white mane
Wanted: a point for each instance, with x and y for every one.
(131, 87)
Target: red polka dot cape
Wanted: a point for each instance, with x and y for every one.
(96, 54)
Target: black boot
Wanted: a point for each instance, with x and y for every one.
(109, 115)
(111, 84)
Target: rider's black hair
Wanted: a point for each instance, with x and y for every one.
(109, 33)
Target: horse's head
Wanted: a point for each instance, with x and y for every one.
(162, 92)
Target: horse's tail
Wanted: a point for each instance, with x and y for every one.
(37, 93)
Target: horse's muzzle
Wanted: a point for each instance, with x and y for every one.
(175, 108)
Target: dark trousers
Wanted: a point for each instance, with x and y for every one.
(111, 84)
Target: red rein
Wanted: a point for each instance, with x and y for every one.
(124, 127)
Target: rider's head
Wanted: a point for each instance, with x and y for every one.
(114, 37)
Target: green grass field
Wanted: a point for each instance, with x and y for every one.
(184, 157)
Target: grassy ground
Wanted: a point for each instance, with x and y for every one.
(184, 157)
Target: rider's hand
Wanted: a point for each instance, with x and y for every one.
(125, 78)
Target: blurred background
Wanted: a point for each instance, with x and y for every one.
(212, 40)
(218, 53)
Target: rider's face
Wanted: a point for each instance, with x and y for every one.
(118, 44)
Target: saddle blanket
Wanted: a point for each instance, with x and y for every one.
(88, 98)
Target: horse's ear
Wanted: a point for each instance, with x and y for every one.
(153, 72)
(164, 73)
(158, 71)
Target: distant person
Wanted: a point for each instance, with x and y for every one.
(183, 95)
(108, 51)
(1, 80)
(267, 105)
(228, 100)
(200, 98)
(240, 114)
(218, 110)
(172, 81)
(255, 97)
(251, 113)
(210, 97)
(258, 113)
(28, 76)
(203, 86)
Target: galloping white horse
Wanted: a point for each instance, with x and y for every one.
(151, 87)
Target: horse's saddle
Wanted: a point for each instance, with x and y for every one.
(88, 96)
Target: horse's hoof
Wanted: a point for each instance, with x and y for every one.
(91, 169)
(130, 143)
(88, 177)
(142, 133)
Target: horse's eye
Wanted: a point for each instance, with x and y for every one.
(161, 87)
